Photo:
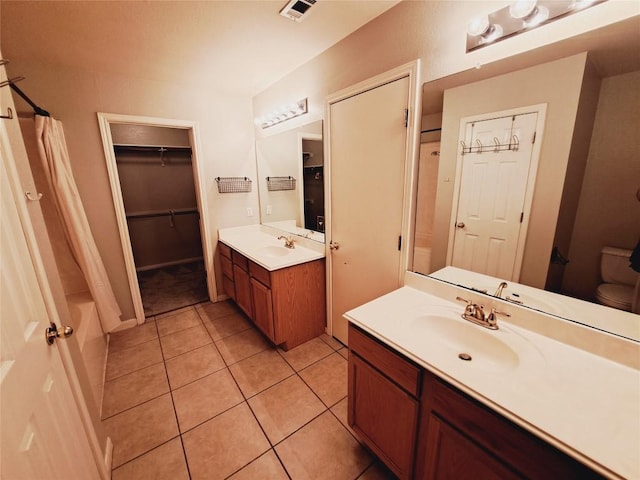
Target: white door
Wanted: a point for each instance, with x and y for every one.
(42, 433)
(493, 185)
(368, 144)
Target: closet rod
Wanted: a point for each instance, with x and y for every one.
(163, 213)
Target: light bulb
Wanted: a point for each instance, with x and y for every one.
(478, 26)
(522, 9)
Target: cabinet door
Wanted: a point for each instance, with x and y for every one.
(262, 308)
(383, 415)
(463, 439)
(228, 286)
(452, 456)
(243, 290)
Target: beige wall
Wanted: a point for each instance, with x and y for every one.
(558, 85)
(433, 31)
(587, 105)
(74, 96)
(609, 213)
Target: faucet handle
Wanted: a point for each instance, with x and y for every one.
(492, 318)
(471, 309)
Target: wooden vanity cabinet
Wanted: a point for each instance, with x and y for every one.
(383, 402)
(288, 305)
(462, 439)
(421, 427)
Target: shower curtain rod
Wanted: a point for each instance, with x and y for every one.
(11, 83)
(36, 108)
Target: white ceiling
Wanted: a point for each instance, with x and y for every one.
(236, 46)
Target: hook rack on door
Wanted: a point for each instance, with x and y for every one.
(513, 145)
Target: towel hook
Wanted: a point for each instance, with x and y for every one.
(9, 114)
(516, 143)
(33, 198)
(464, 147)
(479, 145)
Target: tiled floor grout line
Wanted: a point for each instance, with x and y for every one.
(202, 322)
(173, 403)
(245, 400)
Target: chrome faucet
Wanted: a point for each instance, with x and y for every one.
(501, 287)
(288, 241)
(475, 314)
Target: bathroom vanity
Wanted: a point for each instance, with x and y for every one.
(435, 396)
(282, 290)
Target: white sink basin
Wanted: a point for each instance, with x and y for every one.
(460, 337)
(274, 251)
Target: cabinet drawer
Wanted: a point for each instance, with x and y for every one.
(259, 273)
(227, 267)
(225, 251)
(240, 260)
(402, 371)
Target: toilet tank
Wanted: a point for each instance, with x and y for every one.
(614, 266)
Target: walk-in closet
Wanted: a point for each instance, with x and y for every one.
(158, 191)
(313, 184)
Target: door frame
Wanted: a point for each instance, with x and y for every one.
(105, 120)
(541, 110)
(412, 151)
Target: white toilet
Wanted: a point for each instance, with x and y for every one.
(620, 279)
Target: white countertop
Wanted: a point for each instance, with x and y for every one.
(583, 404)
(257, 243)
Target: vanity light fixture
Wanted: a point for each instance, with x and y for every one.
(518, 17)
(283, 114)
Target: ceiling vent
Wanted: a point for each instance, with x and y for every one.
(296, 10)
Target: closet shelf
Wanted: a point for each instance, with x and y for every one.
(162, 213)
(131, 148)
(128, 147)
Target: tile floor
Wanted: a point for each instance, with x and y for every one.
(199, 393)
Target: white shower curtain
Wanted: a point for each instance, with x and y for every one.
(55, 159)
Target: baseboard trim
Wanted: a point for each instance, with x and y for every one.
(126, 324)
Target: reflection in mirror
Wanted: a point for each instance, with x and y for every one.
(584, 199)
(291, 180)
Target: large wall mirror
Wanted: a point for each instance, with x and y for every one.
(291, 180)
(586, 194)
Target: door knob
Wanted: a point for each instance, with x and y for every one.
(334, 245)
(460, 225)
(52, 332)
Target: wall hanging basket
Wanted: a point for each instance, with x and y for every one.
(233, 184)
(281, 183)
